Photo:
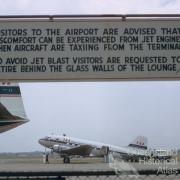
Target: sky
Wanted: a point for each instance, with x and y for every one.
(88, 7)
(109, 112)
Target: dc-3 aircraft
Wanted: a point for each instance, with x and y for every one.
(68, 147)
(12, 113)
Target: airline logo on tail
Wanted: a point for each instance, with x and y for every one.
(9, 90)
(140, 142)
(12, 113)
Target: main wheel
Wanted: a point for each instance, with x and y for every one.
(66, 160)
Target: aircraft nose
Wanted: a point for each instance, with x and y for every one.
(41, 141)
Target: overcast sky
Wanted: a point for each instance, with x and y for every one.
(88, 6)
(110, 112)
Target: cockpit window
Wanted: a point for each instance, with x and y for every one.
(47, 137)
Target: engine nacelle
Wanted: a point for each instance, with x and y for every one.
(59, 148)
(100, 152)
(104, 150)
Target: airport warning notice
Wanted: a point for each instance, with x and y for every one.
(89, 49)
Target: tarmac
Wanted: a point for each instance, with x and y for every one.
(86, 167)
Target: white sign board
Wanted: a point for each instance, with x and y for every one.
(89, 49)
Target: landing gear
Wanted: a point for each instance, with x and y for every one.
(66, 160)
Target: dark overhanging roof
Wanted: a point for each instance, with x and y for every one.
(51, 17)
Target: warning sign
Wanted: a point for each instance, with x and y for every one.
(89, 49)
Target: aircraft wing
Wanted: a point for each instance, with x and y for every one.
(82, 150)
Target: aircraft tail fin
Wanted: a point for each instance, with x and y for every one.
(139, 142)
(12, 113)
